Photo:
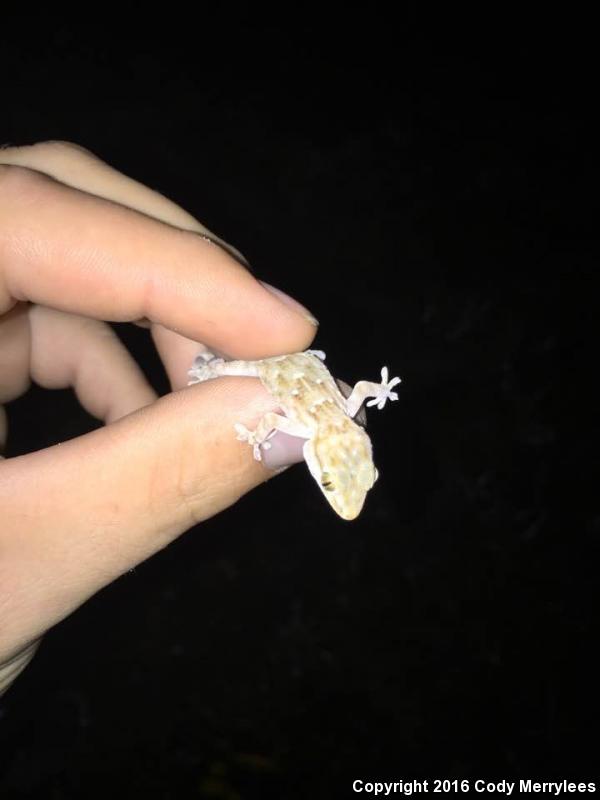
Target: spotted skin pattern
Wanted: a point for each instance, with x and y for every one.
(336, 449)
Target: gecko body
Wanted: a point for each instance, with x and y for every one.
(336, 449)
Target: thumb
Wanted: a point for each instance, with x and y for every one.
(77, 515)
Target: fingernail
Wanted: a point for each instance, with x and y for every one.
(289, 301)
(283, 450)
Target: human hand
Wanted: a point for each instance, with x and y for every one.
(81, 243)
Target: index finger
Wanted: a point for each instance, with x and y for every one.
(74, 251)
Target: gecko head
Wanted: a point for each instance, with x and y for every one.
(342, 464)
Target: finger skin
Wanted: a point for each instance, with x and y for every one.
(73, 251)
(78, 515)
(86, 354)
(75, 166)
(58, 350)
(15, 352)
(12, 667)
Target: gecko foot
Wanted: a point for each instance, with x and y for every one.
(257, 439)
(385, 390)
(203, 367)
(244, 435)
(317, 353)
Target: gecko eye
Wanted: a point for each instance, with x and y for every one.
(326, 483)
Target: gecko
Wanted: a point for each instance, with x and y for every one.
(336, 449)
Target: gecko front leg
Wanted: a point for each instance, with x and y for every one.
(380, 392)
(268, 426)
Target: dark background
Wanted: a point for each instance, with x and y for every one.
(432, 207)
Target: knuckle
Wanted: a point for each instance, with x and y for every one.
(62, 147)
(48, 147)
(44, 157)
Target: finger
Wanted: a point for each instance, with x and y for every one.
(74, 251)
(72, 351)
(132, 487)
(59, 350)
(15, 351)
(75, 166)
(11, 668)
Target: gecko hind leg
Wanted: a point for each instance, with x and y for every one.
(207, 366)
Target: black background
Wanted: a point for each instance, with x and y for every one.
(432, 207)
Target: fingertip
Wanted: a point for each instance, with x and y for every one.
(270, 322)
(291, 303)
